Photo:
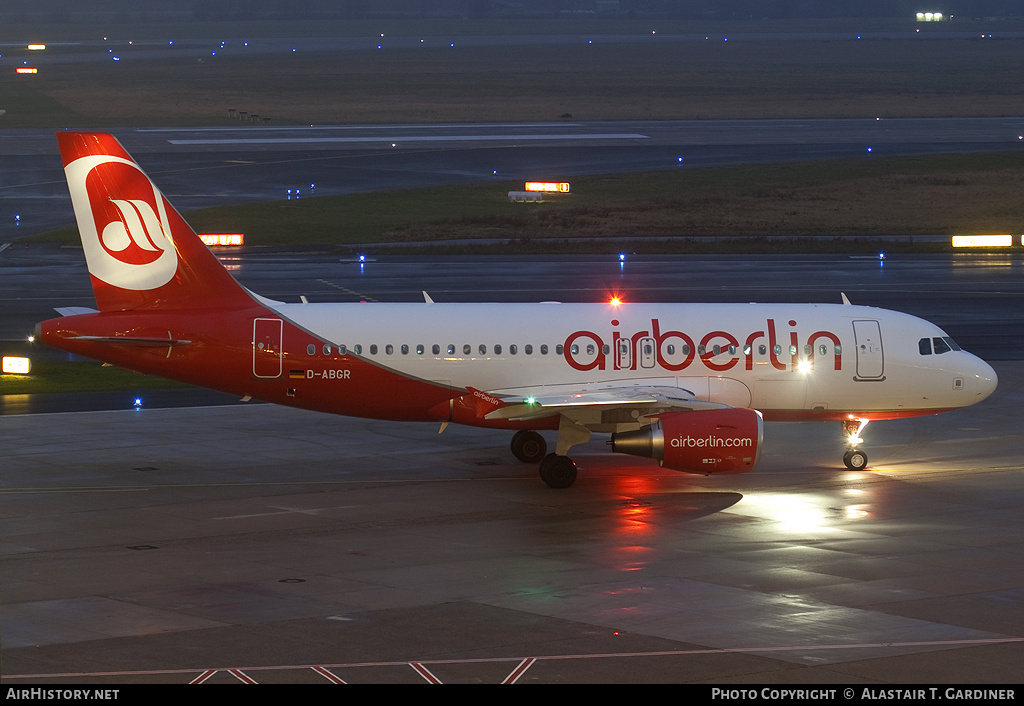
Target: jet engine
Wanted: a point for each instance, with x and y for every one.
(706, 441)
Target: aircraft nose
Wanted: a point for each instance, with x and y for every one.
(985, 379)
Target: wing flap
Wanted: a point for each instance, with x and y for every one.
(655, 398)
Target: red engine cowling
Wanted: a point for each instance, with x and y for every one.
(705, 441)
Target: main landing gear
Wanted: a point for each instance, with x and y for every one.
(557, 470)
(529, 446)
(854, 458)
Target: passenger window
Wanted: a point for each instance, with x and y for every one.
(701, 350)
(389, 349)
(512, 349)
(497, 349)
(466, 349)
(762, 349)
(451, 349)
(574, 349)
(924, 346)
(671, 349)
(405, 349)
(777, 349)
(342, 349)
(792, 350)
(373, 349)
(558, 349)
(716, 349)
(590, 349)
(419, 349)
(435, 349)
(311, 349)
(327, 349)
(358, 348)
(528, 349)
(822, 349)
(543, 349)
(483, 349)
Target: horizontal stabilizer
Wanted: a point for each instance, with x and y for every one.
(74, 310)
(133, 340)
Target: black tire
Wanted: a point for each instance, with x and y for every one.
(855, 460)
(558, 471)
(529, 446)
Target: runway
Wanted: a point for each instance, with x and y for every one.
(202, 167)
(257, 543)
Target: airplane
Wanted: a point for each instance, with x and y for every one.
(688, 385)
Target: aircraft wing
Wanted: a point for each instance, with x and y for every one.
(569, 403)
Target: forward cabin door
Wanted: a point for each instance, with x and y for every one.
(870, 363)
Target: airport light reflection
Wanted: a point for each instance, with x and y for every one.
(801, 514)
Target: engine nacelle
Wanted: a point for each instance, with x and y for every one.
(705, 441)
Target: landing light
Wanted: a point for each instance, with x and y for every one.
(615, 301)
(804, 366)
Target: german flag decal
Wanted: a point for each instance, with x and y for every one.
(296, 374)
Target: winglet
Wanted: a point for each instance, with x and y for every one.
(846, 302)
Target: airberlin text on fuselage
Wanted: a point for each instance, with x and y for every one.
(586, 350)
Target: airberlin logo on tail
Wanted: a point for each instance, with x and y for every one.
(123, 223)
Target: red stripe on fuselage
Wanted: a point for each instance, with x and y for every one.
(220, 357)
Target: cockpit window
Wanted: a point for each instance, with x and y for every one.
(940, 344)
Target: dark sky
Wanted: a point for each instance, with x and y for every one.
(64, 10)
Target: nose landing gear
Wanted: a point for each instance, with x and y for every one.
(854, 458)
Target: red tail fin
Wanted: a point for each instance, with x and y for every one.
(141, 253)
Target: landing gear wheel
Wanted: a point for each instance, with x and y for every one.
(529, 446)
(558, 471)
(855, 460)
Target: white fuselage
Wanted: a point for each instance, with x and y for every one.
(798, 360)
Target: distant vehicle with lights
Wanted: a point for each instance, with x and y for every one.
(688, 385)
